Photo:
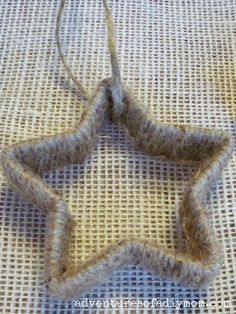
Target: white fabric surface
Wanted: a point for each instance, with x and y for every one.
(179, 58)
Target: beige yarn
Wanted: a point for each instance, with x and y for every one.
(210, 149)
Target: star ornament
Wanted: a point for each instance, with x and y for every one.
(23, 163)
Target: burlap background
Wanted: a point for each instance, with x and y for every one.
(179, 58)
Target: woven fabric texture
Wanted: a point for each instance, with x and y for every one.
(179, 59)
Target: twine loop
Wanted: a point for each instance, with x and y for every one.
(115, 85)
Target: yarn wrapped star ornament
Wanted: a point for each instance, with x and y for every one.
(23, 163)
